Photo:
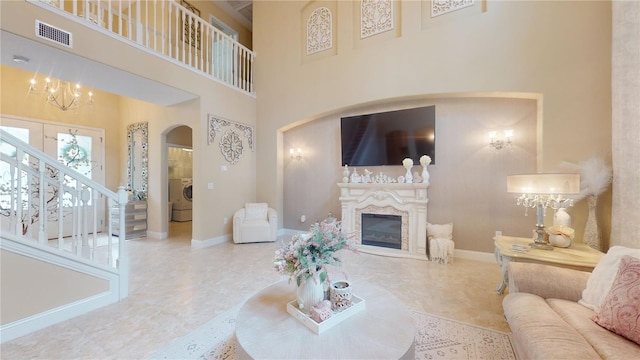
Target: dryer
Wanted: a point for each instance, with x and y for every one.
(181, 194)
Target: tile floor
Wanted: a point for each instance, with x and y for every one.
(174, 289)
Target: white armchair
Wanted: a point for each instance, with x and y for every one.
(256, 222)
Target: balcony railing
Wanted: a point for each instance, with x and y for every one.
(169, 29)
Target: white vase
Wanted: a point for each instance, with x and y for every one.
(309, 294)
(425, 175)
(591, 231)
(345, 174)
(408, 177)
(562, 218)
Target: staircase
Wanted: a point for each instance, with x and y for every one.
(38, 197)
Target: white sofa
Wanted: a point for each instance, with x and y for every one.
(255, 222)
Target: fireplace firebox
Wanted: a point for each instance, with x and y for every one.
(382, 230)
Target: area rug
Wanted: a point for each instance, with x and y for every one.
(436, 338)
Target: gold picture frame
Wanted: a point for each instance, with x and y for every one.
(190, 33)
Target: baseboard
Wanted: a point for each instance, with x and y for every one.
(157, 235)
(461, 254)
(289, 232)
(199, 244)
(474, 255)
(47, 318)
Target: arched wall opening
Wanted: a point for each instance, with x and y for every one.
(468, 183)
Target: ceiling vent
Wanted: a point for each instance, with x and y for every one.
(52, 33)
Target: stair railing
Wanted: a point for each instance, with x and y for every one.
(37, 193)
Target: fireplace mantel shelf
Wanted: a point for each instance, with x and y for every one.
(408, 200)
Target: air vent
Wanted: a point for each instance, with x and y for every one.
(52, 33)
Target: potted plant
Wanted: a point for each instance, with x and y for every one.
(307, 257)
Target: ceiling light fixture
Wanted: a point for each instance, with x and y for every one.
(62, 94)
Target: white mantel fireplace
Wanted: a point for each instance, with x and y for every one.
(409, 201)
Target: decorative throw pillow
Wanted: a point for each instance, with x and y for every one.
(602, 276)
(256, 211)
(620, 311)
(444, 231)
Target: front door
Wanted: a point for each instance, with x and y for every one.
(81, 149)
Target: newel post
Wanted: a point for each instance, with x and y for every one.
(123, 258)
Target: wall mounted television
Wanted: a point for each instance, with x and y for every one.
(386, 138)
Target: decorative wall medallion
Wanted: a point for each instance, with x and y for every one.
(376, 17)
(319, 30)
(231, 146)
(439, 7)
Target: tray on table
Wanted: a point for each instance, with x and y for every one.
(357, 304)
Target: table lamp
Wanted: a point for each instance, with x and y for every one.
(542, 191)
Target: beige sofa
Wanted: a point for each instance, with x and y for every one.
(547, 322)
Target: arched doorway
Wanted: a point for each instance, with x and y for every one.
(180, 184)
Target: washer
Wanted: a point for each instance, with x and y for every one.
(181, 194)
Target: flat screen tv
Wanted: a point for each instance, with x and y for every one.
(386, 138)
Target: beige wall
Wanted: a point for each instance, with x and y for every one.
(30, 286)
(626, 124)
(209, 8)
(103, 114)
(232, 186)
(468, 180)
(210, 206)
(550, 48)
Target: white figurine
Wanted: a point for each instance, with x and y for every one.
(345, 174)
(355, 177)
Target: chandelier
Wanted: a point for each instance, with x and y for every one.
(62, 94)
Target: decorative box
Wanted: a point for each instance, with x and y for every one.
(357, 304)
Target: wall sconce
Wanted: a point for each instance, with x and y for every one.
(496, 143)
(295, 154)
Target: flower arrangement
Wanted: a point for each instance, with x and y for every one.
(407, 163)
(562, 231)
(309, 255)
(425, 160)
(595, 177)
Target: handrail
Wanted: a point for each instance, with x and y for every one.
(169, 30)
(36, 191)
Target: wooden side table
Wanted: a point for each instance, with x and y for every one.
(578, 256)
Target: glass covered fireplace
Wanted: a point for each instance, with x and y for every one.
(382, 230)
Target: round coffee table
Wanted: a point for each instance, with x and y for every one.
(383, 330)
